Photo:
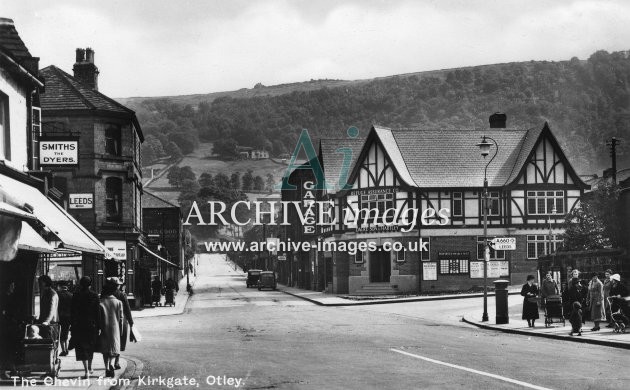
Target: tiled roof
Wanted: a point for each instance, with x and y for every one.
(63, 92)
(152, 201)
(450, 158)
(12, 45)
(332, 158)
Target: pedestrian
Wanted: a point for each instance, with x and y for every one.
(127, 321)
(84, 324)
(548, 287)
(576, 319)
(575, 292)
(48, 301)
(65, 316)
(595, 299)
(530, 304)
(170, 288)
(607, 285)
(156, 286)
(110, 324)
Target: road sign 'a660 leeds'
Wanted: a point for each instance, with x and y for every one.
(504, 243)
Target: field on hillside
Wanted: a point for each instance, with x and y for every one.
(200, 161)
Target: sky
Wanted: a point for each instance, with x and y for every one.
(168, 47)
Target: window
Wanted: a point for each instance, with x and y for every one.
(358, 258)
(493, 203)
(400, 256)
(481, 248)
(453, 266)
(545, 202)
(425, 242)
(538, 245)
(458, 204)
(381, 202)
(112, 140)
(5, 128)
(113, 199)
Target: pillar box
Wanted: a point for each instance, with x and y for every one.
(501, 299)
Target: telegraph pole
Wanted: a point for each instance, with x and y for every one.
(613, 155)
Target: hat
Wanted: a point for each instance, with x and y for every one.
(114, 280)
(616, 277)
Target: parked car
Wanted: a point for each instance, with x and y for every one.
(252, 277)
(267, 280)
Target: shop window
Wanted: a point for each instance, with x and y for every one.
(113, 199)
(113, 140)
(400, 255)
(545, 202)
(538, 245)
(458, 204)
(5, 128)
(481, 248)
(453, 266)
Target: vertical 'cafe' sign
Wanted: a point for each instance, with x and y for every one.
(308, 208)
(59, 151)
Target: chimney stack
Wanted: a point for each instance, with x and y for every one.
(498, 120)
(85, 71)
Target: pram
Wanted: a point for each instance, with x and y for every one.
(169, 297)
(40, 355)
(619, 316)
(553, 309)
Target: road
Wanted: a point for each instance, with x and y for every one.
(269, 340)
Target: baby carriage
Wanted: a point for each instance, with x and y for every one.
(553, 309)
(619, 316)
(40, 355)
(169, 297)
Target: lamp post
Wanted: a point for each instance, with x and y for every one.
(485, 147)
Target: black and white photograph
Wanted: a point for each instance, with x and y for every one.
(323, 194)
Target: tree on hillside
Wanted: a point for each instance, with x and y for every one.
(174, 177)
(148, 154)
(185, 140)
(190, 185)
(186, 173)
(595, 223)
(248, 180)
(259, 183)
(173, 151)
(206, 180)
(235, 181)
(222, 181)
(270, 183)
(225, 147)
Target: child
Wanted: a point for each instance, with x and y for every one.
(576, 319)
(33, 332)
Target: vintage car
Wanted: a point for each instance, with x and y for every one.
(252, 277)
(267, 280)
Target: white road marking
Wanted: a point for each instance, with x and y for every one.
(499, 377)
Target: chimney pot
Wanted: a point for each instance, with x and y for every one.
(89, 55)
(498, 120)
(80, 55)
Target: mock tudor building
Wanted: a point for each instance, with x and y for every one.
(93, 149)
(440, 173)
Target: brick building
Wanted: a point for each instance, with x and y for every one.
(102, 181)
(440, 174)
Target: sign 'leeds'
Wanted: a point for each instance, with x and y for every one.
(59, 151)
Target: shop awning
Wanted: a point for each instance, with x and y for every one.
(12, 211)
(54, 217)
(157, 256)
(31, 241)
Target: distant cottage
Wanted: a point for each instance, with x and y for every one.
(249, 153)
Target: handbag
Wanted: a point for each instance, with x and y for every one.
(134, 334)
(532, 299)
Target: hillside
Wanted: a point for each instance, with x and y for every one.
(585, 102)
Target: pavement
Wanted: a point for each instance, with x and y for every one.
(557, 330)
(72, 370)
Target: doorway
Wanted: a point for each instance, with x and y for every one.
(380, 266)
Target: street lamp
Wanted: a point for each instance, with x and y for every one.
(485, 147)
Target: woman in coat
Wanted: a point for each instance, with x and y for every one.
(595, 299)
(110, 325)
(84, 323)
(530, 305)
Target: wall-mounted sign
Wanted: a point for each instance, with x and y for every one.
(496, 269)
(429, 271)
(503, 243)
(81, 201)
(59, 151)
(118, 248)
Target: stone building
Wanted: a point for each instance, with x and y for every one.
(103, 184)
